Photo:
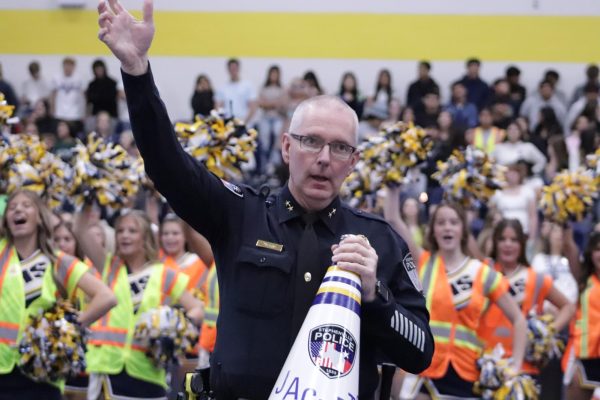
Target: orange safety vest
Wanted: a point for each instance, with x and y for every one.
(454, 331)
(497, 328)
(496, 136)
(586, 331)
(196, 270)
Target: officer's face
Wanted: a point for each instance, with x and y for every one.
(129, 237)
(316, 178)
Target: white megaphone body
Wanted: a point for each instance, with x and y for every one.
(324, 361)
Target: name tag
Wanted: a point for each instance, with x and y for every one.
(268, 245)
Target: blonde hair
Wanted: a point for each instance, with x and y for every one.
(44, 227)
(144, 223)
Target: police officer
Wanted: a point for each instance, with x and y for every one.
(266, 285)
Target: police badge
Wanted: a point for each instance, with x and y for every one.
(332, 348)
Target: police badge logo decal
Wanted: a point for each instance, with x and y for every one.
(411, 270)
(332, 348)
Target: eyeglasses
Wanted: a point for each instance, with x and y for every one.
(315, 144)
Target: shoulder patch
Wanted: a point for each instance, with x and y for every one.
(411, 270)
(235, 189)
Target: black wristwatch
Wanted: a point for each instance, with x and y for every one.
(382, 291)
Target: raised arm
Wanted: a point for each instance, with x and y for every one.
(196, 195)
(199, 245)
(88, 243)
(391, 213)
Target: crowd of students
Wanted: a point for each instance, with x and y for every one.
(481, 273)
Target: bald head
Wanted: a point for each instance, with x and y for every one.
(334, 104)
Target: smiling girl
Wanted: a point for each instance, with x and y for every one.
(117, 363)
(457, 288)
(32, 275)
(528, 288)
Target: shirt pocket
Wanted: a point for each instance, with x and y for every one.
(262, 279)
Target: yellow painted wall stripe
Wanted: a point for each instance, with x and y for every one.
(317, 35)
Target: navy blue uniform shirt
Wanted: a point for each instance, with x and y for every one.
(257, 284)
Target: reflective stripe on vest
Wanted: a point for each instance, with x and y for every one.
(584, 322)
(104, 335)
(441, 330)
(168, 282)
(429, 275)
(101, 333)
(490, 281)
(9, 332)
(466, 337)
(211, 312)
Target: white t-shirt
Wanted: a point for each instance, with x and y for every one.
(33, 90)
(515, 205)
(70, 99)
(558, 268)
(235, 97)
(507, 153)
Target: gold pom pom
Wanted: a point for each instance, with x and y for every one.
(221, 144)
(53, 344)
(469, 178)
(385, 159)
(103, 173)
(166, 334)
(569, 196)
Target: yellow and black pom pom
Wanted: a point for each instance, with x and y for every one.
(166, 334)
(52, 346)
(469, 178)
(221, 144)
(25, 163)
(385, 159)
(543, 343)
(103, 173)
(498, 381)
(6, 111)
(569, 196)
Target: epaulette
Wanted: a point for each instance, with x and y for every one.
(364, 214)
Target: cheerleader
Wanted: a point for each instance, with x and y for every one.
(118, 365)
(32, 275)
(585, 333)
(173, 252)
(172, 236)
(528, 288)
(457, 289)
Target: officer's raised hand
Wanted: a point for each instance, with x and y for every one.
(128, 38)
(355, 254)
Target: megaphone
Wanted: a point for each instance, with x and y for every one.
(324, 360)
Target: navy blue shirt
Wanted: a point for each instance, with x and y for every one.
(257, 284)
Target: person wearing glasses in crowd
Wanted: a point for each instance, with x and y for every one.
(272, 251)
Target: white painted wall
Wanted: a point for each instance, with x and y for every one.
(176, 75)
